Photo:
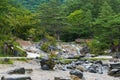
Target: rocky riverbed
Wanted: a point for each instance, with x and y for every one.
(37, 73)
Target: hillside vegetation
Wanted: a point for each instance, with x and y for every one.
(64, 20)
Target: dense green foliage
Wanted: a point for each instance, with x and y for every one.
(62, 19)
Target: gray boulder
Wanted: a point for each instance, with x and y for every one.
(15, 77)
(92, 70)
(77, 73)
(47, 63)
(114, 66)
(96, 68)
(114, 72)
(45, 67)
(17, 71)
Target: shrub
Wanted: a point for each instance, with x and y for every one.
(51, 41)
(67, 61)
(51, 63)
(6, 61)
(22, 59)
(97, 47)
(45, 46)
(95, 59)
(53, 55)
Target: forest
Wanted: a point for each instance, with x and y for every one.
(64, 20)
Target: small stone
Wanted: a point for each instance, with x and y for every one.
(61, 78)
(45, 67)
(81, 68)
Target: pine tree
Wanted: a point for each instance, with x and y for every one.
(52, 17)
(106, 10)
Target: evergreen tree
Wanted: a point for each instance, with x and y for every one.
(105, 10)
(52, 17)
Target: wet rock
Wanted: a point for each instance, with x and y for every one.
(96, 68)
(78, 62)
(15, 77)
(105, 69)
(17, 71)
(114, 72)
(92, 70)
(87, 65)
(70, 66)
(77, 73)
(98, 62)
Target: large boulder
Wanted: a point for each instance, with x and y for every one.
(15, 77)
(114, 66)
(114, 72)
(47, 63)
(17, 71)
(77, 73)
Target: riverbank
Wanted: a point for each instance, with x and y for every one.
(38, 74)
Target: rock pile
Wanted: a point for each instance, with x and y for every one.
(79, 67)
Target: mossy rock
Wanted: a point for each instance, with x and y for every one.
(48, 62)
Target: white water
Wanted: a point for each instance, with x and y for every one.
(32, 55)
(106, 57)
